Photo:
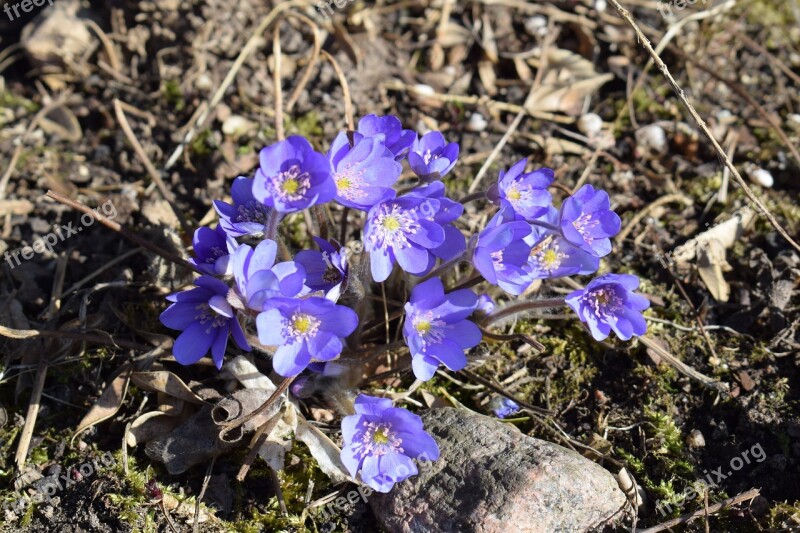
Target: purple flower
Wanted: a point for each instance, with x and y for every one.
(609, 303)
(247, 216)
(381, 442)
(311, 328)
(527, 193)
(485, 305)
(212, 250)
(206, 318)
(292, 176)
(588, 222)
(553, 256)
(412, 230)
(395, 138)
(503, 407)
(327, 269)
(258, 278)
(436, 328)
(431, 157)
(501, 253)
(364, 172)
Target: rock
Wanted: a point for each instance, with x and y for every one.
(651, 139)
(590, 124)
(760, 176)
(695, 439)
(476, 122)
(491, 478)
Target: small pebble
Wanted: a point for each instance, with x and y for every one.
(203, 82)
(695, 439)
(236, 126)
(761, 177)
(476, 122)
(424, 90)
(536, 26)
(590, 124)
(652, 138)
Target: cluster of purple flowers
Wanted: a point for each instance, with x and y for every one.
(293, 303)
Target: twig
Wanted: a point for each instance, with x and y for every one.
(685, 519)
(276, 78)
(644, 212)
(154, 174)
(703, 127)
(114, 226)
(312, 62)
(348, 102)
(206, 479)
(263, 407)
(33, 413)
(499, 390)
(682, 367)
(521, 308)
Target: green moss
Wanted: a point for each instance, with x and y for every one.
(203, 144)
(172, 94)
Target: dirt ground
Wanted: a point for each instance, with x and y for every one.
(99, 98)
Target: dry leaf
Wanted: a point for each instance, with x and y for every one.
(711, 264)
(569, 78)
(166, 382)
(323, 450)
(108, 403)
(149, 426)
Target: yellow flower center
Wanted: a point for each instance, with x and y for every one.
(290, 186)
(549, 257)
(422, 327)
(302, 324)
(391, 223)
(514, 194)
(343, 183)
(380, 436)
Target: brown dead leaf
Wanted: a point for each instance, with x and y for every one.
(166, 382)
(150, 426)
(711, 264)
(109, 401)
(569, 78)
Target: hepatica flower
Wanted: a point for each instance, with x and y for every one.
(304, 330)
(502, 407)
(257, 278)
(413, 231)
(364, 172)
(608, 303)
(292, 176)
(212, 250)
(431, 157)
(436, 328)
(326, 269)
(397, 140)
(587, 221)
(501, 253)
(247, 216)
(526, 192)
(552, 256)
(206, 318)
(381, 441)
